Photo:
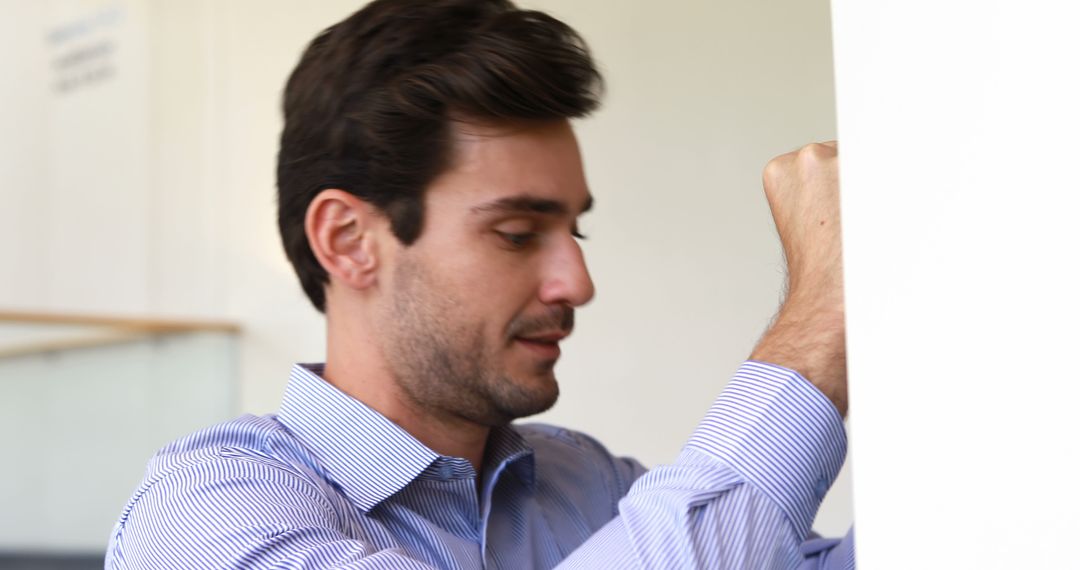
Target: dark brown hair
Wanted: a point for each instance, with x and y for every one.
(368, 108)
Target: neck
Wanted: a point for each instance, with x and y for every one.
(354, 366)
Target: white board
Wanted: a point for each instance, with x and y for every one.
(958, 124)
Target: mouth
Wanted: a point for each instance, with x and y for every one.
(545, 346)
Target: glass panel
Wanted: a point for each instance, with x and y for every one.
(77, 427)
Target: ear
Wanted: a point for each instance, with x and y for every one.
(343, 232)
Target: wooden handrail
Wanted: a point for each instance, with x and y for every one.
(113, 330)
(149, 324)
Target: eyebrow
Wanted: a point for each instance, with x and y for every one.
(524, 203)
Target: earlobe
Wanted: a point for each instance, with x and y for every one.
(342, 232)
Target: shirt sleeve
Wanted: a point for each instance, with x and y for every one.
(744, 491)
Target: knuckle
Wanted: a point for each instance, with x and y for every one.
(805, 161)
(775, 168)
(768, 174)
(810, 153)
(818, 152)
(815, 157)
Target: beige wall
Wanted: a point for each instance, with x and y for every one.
(688, 271)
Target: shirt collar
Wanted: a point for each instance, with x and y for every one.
(368, 456)
(508, 447)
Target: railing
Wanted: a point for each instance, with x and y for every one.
(88, 331)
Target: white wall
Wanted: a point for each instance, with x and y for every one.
(958, 126)
(700, 96)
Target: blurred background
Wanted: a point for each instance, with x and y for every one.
(145, 293)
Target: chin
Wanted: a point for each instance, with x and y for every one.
(526, 395)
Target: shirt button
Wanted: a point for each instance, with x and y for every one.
(445, 471)
(821, 487)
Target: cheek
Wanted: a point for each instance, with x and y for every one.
(485, 285)
(496, 297)
(493, 275)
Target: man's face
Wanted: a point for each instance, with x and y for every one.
(478, 303)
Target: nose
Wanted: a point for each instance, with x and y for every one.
(567, 279)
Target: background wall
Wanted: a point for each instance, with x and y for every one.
(150, 190)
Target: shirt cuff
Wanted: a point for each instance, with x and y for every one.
(780, 433)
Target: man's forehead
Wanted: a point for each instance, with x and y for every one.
(523, 167)
(470, 139)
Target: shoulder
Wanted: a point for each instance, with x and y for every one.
(252, 439)
(239, 447)
(246, 476)
(246, 433)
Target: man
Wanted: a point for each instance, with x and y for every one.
(429, 190)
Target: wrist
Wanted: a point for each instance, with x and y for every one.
(810, 339)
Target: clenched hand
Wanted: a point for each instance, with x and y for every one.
(808, 334)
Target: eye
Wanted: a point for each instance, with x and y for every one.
(517, 233)
(518, 240)
(577, 234)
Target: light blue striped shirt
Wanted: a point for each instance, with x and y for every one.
(330, 483)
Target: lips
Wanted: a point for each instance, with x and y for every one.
(539, 335)
(543, 345)
(552, 337)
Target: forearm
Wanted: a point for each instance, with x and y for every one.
(745, 490)
(810, 339)
(808, 334)
(723, 524)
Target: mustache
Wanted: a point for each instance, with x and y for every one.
(559, 318)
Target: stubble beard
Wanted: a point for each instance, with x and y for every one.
(442, 362)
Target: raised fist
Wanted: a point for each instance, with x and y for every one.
(803, 192)
(808, 333)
